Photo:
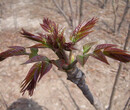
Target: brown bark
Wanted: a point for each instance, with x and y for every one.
(124, 14)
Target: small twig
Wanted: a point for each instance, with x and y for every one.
(76, 8)
(127, 38)
(104, 4)
(107, 26)
(62, 4)
(127, 102)
(124, 14)
(72, 15)
(115, 14)
(114, 86)
(80, 11)
(65, 85)
(100, 4)
(118, 73)
(64, 15)
(76, 13)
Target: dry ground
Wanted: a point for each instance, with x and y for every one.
(51, 93)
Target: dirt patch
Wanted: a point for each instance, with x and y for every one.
(51, 93)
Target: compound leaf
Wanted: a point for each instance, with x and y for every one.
(82, 30)
(117, 54)
(13, 51)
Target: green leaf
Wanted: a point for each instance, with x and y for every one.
(34, 52)
(82, 59)
(72, 59)
(87, 47)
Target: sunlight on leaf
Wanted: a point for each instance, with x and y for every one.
(82, 59)
(82, 30)
(87, 47)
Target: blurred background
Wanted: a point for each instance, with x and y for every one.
(54, 92)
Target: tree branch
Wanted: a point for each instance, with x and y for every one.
(127, 102)
(62, 4)
(64, 15)
(80, 11)
(127, 38)
(104, 4)
(76, 9)
(123, 17)
(78, 77)
(118, 73)
(115, 13)
(72, 16)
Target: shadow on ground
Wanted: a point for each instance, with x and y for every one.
(25, 104)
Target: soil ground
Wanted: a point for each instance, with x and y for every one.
(51, 92)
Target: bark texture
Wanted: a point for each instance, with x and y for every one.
(76, 76)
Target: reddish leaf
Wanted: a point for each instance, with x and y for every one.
(14, 51)
(82, 59)
(36, 59)
(34, 75)
(82, 30)
(81, 36)
(46, 66)
(100, 56)
(29, 83)
(58, 63)
(54, 39)
(69, 46)
(38, 46)
(115, 50)
(31, 36)
(49, 26)
(117, 54)
(103, 46)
